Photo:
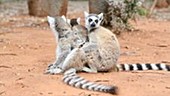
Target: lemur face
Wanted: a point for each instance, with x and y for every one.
(93, 21)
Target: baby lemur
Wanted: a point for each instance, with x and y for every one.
(99, 53)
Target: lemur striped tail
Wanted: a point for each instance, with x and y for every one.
(147, 66)
(72, 79)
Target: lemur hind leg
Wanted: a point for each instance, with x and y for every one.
(59, 61)
(78, 58)
(74, 59)
(89, 49)
(90, 69)
(56, 66)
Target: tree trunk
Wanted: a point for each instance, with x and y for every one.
(161, 4)
(47, 7)
(98, 6)
(168, 1)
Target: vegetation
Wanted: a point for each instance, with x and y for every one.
(119, 13)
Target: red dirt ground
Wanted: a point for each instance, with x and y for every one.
(25, 53)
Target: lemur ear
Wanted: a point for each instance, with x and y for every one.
(51, 20)
(101, 16)
(86, 14)
(64, 18)
(78, 20)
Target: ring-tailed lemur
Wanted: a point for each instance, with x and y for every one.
(65, 37)
(92, 23)
(99, 54)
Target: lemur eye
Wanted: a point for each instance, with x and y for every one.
(90, 20)
(63, 29)
(96, 21)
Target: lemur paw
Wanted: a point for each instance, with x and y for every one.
(54, 71)
(51, 66)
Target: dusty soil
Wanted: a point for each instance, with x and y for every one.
(27, 46)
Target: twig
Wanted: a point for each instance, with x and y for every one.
(167, 87)
(165, 61)
(2, 92)
(3, 66)
(8, 54)
(152, 8)
(102, 81)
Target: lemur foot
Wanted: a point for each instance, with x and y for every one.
(54, 70)
(51, 66)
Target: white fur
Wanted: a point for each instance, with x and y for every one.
(101, 16)
(92, 86)
(69, 56)
(72, 82)
(87, 84)
(134, 67)
(163, 66)
(144, 67)
(119, 67)
(67, 79)
(97, 87)
(154, 67)
(71, 70)
(78, 83)
(51, 21)
(83, 81)
(88, 16)
(64, 18)
(127, 67)
(78, 20)
(68, 20)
